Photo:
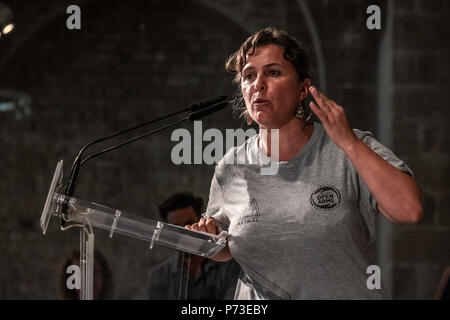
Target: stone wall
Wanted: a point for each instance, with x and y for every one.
(137, 60)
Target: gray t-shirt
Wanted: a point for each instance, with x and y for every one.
(307, 232)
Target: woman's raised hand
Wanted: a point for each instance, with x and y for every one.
(333, 119)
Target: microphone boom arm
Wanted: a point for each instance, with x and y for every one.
(198, 110)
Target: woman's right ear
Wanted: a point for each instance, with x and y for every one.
(305, 89)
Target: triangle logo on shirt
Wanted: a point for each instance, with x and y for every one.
(250, 214)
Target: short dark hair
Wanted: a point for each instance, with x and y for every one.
(180, 201)
(293, 52)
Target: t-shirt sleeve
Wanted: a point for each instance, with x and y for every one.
(367, 200)
(215, 208)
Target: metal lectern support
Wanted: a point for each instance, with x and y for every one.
(86, 263)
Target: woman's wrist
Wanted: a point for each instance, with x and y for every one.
(224, 255)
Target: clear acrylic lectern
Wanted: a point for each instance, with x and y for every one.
(89, 215)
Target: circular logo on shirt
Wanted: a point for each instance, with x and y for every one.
(326, 198)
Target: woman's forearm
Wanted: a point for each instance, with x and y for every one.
(398, 195)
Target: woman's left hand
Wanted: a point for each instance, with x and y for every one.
(333, 119)
(398, 195)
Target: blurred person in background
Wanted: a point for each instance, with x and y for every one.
(207, 279)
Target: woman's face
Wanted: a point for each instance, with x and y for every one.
(271, 87)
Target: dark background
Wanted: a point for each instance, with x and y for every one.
(133, 61)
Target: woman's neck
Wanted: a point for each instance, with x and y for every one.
(292, 138)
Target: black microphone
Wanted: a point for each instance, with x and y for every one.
(192, 117)
(207, 102)
(197, 111)
(196, 106)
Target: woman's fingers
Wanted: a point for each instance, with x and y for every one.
(325, 109)
(333, 119)
(193, 226)
(208, 225)
(319, 97)
(202, 225)
(212, 226)
(319, 112)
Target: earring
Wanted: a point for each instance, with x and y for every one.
(300, 112)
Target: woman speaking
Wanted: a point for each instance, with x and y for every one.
(307, 231)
